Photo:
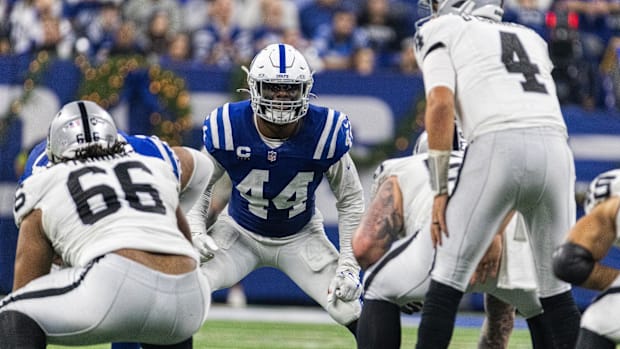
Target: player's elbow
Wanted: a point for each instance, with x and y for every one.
(362, 249)
(572, 263)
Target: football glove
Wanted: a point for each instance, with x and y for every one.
(206, 246)
(346, 286)
(343, 312)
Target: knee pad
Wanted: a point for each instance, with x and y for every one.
(19, 331)
(588, 339)
(572, 263)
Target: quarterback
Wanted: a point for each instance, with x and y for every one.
(397, 256)
(496, 77)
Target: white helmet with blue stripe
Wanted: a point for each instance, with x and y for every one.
(280, 80)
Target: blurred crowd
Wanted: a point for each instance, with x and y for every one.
(357, 35)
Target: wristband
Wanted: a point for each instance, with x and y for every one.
(438, 165)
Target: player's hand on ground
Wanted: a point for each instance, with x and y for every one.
(346, 285)
(206, 246)
(489, 264)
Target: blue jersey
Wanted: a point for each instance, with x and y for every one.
(145, 145)
(273, 189)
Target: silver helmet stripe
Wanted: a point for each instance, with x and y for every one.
(86, 124)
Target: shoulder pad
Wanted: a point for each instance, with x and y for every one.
(336, 137)
(217, 130)
(152, 146)
(436, 33)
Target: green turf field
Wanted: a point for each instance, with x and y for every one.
(219, 334)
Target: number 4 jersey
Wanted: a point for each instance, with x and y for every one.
(94, 207)
(500, 73)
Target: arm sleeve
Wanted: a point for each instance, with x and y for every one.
(197, 215)
(438, 70)
(347, 188)
(199, 178)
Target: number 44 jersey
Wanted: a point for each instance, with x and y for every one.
(94, 207)
(273, 186)
(500, 72)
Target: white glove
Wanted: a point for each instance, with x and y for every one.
(346, 286)
(343, 312)
(206, 246)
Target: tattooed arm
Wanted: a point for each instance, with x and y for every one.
(381, 225)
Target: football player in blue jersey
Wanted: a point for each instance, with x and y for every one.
(191, 168)
(277, 148)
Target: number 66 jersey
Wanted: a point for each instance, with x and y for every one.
(93, 207)
(487, 64)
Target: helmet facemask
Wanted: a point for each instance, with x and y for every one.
(280, 81)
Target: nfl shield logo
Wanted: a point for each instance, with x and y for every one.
(272, 155)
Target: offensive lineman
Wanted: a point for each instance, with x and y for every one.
(192, 168)
(276, 148)
(578, 261)
(397, 256)
(126, 245)
(496, 77)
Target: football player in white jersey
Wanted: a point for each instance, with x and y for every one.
(276, 148)
(190, 166)
(496, 77)
(113, 216)
(397, 255)
(578, 261)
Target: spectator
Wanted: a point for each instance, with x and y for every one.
(575, 78)
(387, 24)
(407, 62)
(142, 11)
(100, 33)
(222, 42)
(316, 15)
(257, 13)
(158, 36)
(179, 50)
(336, 44)
(26, 25)
(528, 13)
(364, 61)
(125, 42)
(272, 25)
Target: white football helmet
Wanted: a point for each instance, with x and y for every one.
(491, 9)
(604, 186)
(280, 81)
(76, 126)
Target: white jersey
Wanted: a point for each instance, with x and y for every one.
(604, 186)
(387, 280)
(98, 206)
(500, 73)
(412, 175)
